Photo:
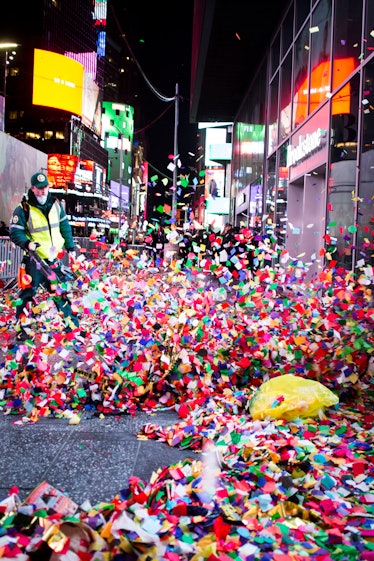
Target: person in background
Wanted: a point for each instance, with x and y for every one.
(39, 224)
(213, 188)
(123, 231)
(158, 243)
(4, 230)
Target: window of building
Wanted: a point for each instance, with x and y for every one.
(369, 28)
(347, 39)
(282, 194)
(344, 122)
(48, 135)
(248, 143)
(342, 174)
(301, 77)
(13, 71)
(29, 135)
(287, 31)
(271, 188)
(302, 12)
(273, 114)
(275, 52)
(320, 60)
(59, 135)
(365, 201)
(285, 98)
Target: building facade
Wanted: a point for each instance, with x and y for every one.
(54, 94)
(303, 138)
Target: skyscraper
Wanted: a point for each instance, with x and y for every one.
(54, 94)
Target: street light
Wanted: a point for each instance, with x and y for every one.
(6, 47)
(175, 169)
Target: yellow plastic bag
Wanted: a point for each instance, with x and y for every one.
(288, 397)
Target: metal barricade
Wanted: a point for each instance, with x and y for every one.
(11, 256)
(10, 259)
(140, 248)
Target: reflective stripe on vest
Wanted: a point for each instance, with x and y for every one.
(46, 232)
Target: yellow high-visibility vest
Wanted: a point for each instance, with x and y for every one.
(46, 232)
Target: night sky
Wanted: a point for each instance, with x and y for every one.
(160, 38)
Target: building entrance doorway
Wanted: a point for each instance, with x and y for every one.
(306, 212)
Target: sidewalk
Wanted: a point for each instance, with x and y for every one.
(89, 461)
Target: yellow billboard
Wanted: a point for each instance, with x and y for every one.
(57, 81)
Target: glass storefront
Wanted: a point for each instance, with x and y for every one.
(320, 110)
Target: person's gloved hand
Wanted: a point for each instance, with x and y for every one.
(32, 246)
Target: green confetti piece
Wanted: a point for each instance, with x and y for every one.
(341, 430)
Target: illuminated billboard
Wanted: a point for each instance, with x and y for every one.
(66, 171)
(91, 108)
(118, 132)
(61, 170)
(57, 81)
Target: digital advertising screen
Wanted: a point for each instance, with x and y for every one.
(57, 81)
(61, 170)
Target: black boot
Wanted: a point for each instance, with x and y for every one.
(22, 335)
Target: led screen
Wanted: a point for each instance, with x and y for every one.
(57, 81)
(61, 170)
(91, 107)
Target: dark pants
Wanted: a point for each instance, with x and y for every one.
(26, 295)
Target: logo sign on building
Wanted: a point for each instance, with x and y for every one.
(308, 147)
(307, 144)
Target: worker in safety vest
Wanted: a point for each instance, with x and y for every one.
(40, 225)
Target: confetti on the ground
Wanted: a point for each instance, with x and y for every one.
(203, 341)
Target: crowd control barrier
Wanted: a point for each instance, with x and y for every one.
(11, 256)
(10, 259)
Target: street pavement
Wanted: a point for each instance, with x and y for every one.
(88, 461)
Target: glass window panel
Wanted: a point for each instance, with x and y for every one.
(282, 192)
(275, 51)
(320, 34)
(301, 58)
(271, 188)
(273, 114)
(347, 39)
(369, 28)
(249, 135)
(287, 31)
(365, 231)
(255, 205)
(285, 98)
(368, 109)
(342, 175)
(302, 8)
